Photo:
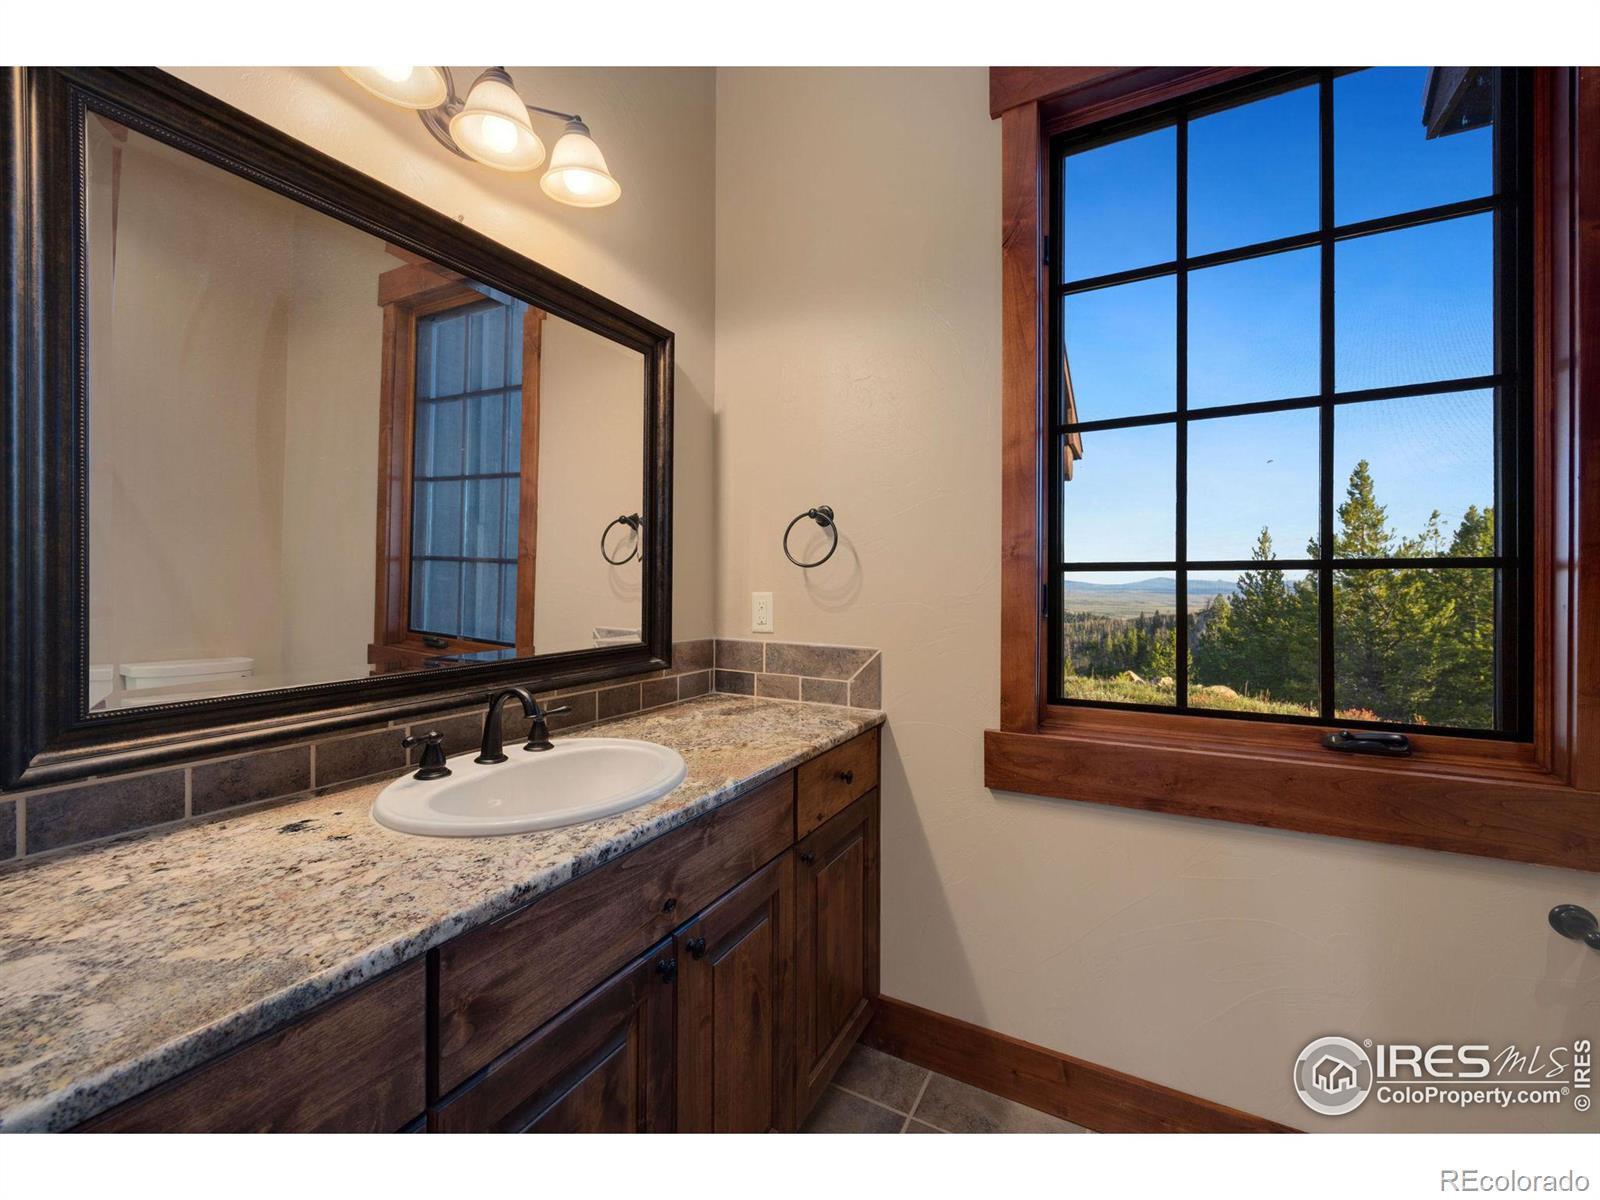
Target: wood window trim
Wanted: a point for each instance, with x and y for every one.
(407, 293)
(1536, 801)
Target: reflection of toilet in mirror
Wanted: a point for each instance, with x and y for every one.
(167, 681)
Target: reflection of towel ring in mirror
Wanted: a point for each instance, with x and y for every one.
(634, 522)
(823, 516)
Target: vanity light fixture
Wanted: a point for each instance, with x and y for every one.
(493, 126)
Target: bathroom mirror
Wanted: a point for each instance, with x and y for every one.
(313, 454)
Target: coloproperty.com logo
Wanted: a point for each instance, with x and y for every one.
(1335, 1075)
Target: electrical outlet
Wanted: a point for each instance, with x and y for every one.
(760, 612)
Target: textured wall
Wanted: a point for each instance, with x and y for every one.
(858, 364)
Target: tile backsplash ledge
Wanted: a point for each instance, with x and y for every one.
(849, 675)
(53, 819)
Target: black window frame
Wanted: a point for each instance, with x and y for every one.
(1511, 382)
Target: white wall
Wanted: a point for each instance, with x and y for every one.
(236, 349)
(190, 319)
(858, 364)
(652, 251)
(591, 455)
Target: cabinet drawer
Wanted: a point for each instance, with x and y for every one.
(602, 1066)
(500, 983)
(831, 782)
(355, 1065)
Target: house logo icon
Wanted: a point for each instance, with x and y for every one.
(1332, 1076)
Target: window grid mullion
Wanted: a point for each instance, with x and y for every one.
(1399, 391)
(1442, 562)
(1494, 202)
(1325, 623)
(1180, 595)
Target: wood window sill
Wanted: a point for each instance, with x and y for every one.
(1434, 803)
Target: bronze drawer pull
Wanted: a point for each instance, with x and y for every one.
(808, 856)
(696, 947)
(848, 776)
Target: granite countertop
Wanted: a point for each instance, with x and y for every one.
(126, 964)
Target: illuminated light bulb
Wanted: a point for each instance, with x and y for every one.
(498, 134)
(395, 74)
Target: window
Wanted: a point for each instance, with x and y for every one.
(1289, 464)
(465, 493)
(458, 469)
(1251, 247)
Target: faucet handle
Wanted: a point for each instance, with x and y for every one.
(432, 744)
(539, 732)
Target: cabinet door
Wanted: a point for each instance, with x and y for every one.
(603, 1066)
(736, 1009)
(836, 942)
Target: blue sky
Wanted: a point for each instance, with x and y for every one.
(1411, 306)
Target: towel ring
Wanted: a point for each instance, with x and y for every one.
(633, 522)
(823, 516)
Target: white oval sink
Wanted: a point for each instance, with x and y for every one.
(581, 779)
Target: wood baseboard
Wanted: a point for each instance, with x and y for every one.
(1084, 1093)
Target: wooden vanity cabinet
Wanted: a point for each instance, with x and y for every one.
(499, 983)
(836, 942)
(736, 1005)
(714, 979)
(605, 1065)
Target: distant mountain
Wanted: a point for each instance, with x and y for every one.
(1156, 585)
(1138, 596)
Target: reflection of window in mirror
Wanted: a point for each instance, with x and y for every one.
(458, 482)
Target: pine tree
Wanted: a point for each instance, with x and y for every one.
(1367, 620)
(1457, 629)
(1260, 641)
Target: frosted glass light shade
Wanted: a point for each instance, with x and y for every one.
(578, 174)
(493, 126)
(409, 87)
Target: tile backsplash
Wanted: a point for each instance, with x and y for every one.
(51, 819)
(851, 675)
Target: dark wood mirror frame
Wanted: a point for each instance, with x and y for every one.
(46, 733)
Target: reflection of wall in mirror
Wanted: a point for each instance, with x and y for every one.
(591, 463)
(233, 397)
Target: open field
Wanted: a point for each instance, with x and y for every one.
(1142, 691)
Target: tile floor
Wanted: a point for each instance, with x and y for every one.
(878, 1093)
